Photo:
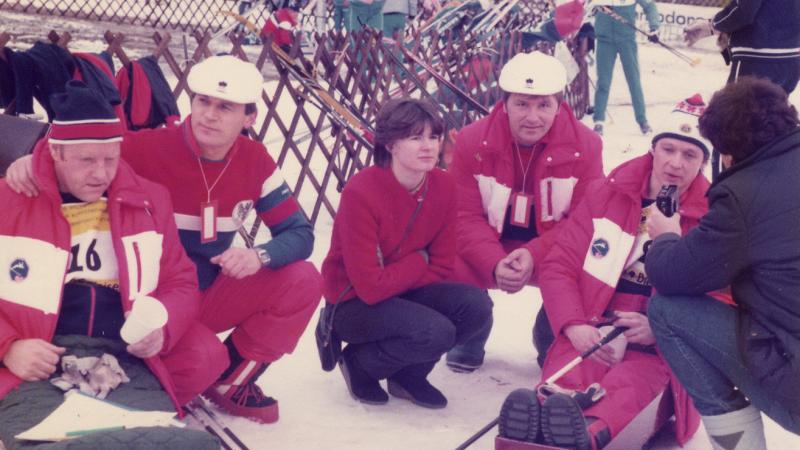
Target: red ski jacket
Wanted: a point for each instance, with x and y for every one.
(366, 249)
(578, 284)
(483, 167)
(35, 239)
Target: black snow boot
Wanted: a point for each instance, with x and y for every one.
(361, 385)
(519, 416)
(411, 383)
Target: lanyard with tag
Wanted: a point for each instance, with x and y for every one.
(209, 210)
(520, 201)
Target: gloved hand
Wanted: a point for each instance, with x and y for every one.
(653, 37)
(697, 31)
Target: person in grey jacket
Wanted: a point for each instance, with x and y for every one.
(395, 14)
(738, 359)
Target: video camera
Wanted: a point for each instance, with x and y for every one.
(667, 200)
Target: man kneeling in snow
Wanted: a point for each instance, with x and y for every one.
(594, 276)
(98, 242)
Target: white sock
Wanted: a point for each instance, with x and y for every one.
(737, 430)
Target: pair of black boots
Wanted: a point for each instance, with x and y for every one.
(410, 383)
(559, 421)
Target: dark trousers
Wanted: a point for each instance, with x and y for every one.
(783, 72)
(698, 337)
(412, 330)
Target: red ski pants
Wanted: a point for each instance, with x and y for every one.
(195, 362)
(268, 311)
(630, 384)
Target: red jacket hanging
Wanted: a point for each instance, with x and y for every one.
(280, 26)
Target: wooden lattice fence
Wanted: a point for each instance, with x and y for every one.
(319, 147)
(203, 15)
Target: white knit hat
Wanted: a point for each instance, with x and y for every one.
(533, 73)
(683, 123)
(227, 78)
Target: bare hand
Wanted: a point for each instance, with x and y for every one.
(583, 337)
(238, 262)
(658, 223)
(32, 359)
(638, 325)
(697, 31)
(513, 272)
(149, 345)
(19, 177)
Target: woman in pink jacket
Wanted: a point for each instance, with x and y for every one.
(393, 246)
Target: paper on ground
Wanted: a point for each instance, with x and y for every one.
(82, 413)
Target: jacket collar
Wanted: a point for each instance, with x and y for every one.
(632, 178)
(124, 187)
(561, 138)
(779, 146)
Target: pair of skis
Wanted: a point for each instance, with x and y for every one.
(322, 99)
(211, 422)
(441, 79)
(492, 16)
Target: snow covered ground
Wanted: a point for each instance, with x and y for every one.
(318, 413)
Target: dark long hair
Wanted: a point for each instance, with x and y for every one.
(399, 119)
(746, 115)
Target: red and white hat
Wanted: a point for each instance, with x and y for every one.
(683, 123)
(83, 116)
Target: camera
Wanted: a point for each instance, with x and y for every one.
(667, 200)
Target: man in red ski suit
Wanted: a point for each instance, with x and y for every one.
(594, 276)
(216, 176)
(519, 172)
(96, 240)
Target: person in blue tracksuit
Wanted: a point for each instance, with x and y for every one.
(617, 38)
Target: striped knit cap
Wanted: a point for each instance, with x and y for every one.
(83, 116)
(683, 123)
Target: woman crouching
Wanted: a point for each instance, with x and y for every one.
(392, 247)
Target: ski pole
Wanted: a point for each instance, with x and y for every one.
(605, 340)
(683, 56)
(570, 365)
(479, 434)
(213, 416)
(209, 429)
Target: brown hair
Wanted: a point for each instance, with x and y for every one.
(746, 115)
(399, 119)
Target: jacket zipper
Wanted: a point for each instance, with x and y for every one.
(92, 307)
(138, 267)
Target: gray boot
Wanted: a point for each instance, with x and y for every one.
(737, 430)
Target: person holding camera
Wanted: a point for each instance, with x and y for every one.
(392, 249)
(737, 360)
(594, 277)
